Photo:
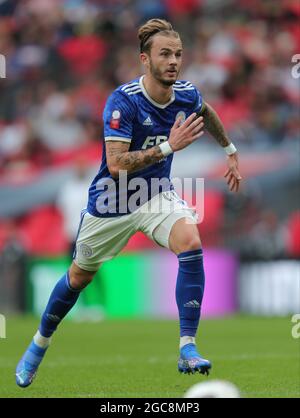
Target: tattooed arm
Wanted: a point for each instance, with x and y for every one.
(119, 158)
(214, 126)
(181, 135)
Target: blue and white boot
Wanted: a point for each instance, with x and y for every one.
(27, 367)
(190, 361)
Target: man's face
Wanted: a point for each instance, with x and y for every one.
(165, 59)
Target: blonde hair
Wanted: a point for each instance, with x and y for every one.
(151, 28)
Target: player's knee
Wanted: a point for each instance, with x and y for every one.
(79, 282)
(188, 243)
(79, 278)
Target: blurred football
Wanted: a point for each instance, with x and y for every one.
(213, 389)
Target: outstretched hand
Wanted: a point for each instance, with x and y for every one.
(232, 174)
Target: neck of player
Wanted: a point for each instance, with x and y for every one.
(158, 92)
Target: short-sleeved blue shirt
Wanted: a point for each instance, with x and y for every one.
(133, 117)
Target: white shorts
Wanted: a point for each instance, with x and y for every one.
(100, 239)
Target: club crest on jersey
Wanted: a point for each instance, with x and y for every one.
(181, 115)
(115, 119)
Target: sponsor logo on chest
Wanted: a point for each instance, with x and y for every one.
(151, 141)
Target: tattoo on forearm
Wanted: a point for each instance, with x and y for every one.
(214, 126)
(134, 160)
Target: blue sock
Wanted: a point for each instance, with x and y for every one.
(61, 301)
(189, 291)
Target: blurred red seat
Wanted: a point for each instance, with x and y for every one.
(43, 232)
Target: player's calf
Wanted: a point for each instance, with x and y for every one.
(61, 301)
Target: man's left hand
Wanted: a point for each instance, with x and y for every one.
(232, 175)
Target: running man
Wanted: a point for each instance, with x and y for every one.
(145, 122)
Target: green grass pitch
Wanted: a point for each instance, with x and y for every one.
(138, 358)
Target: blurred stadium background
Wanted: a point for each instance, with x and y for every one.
(63, 58)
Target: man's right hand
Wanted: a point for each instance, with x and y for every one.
(183, 135)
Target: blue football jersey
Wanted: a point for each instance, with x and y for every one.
(133, 117)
